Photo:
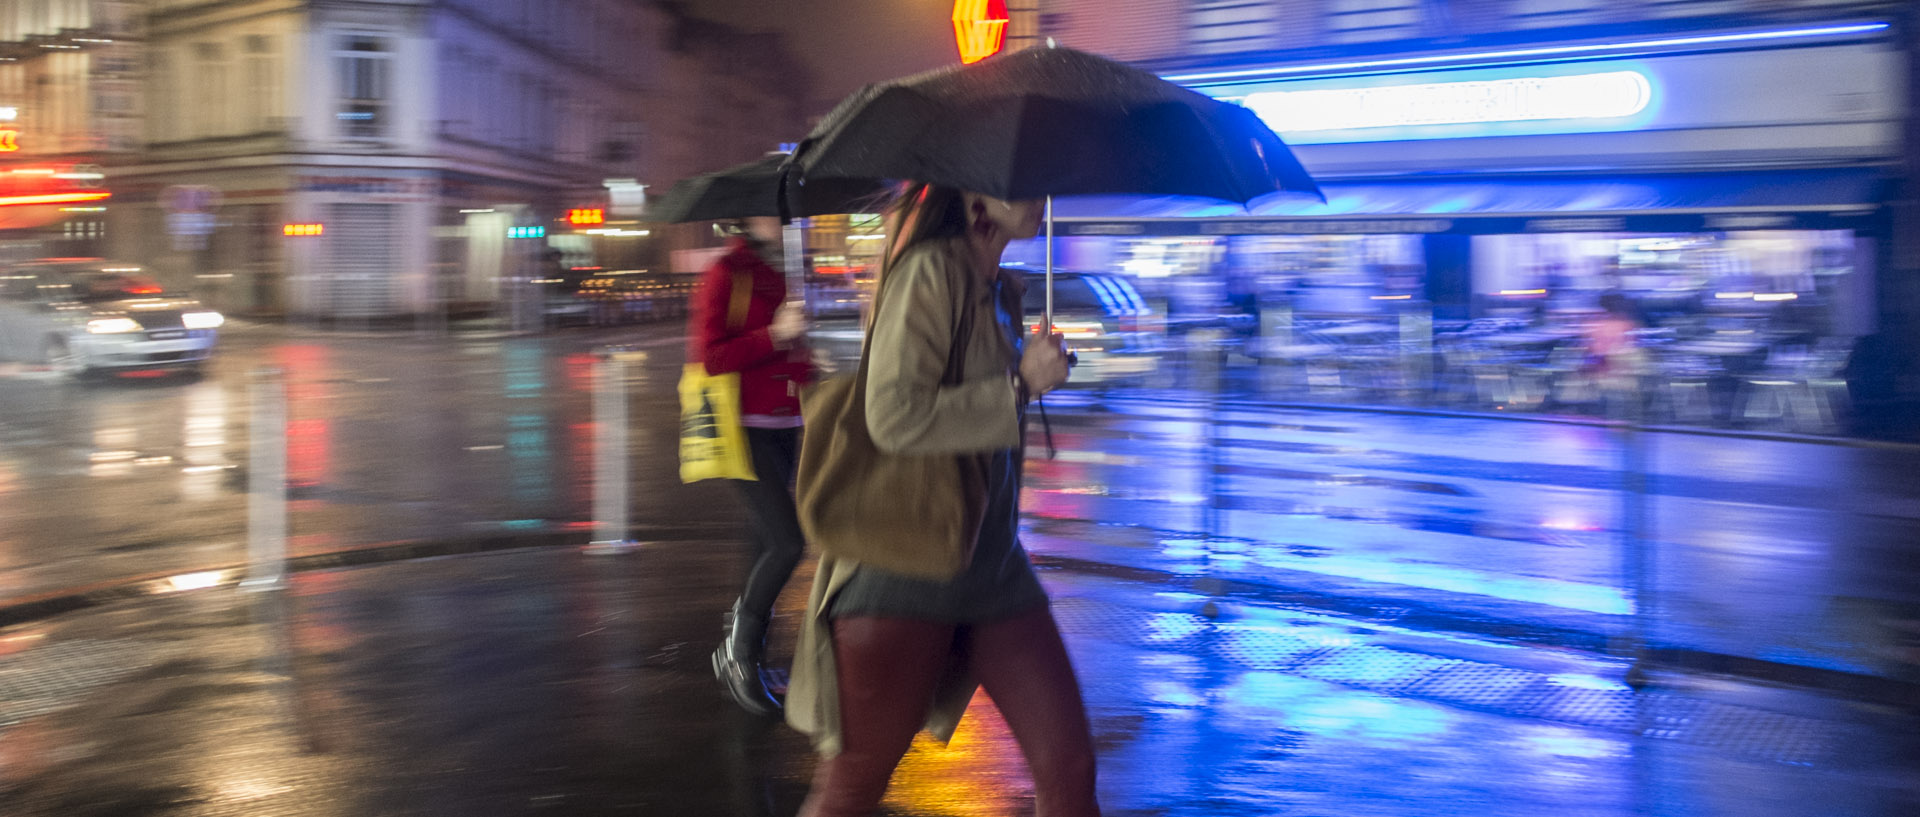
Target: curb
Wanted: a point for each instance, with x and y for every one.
(1243, 404)
(1895, 693)
(45, 605)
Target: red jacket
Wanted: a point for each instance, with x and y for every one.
(770, 376)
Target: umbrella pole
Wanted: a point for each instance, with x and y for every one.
(1049, 324)
(793, 254)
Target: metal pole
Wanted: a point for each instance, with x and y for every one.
(610, 455)
(267, 483)
(1637, 552)
(794, 260)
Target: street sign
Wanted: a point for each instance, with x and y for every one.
(189, 198)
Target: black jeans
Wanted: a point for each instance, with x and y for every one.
(774, 523)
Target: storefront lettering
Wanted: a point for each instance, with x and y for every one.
(366, 186)
(1106, 229)
(1577, 225)
(1748, 222)
(1374, 227)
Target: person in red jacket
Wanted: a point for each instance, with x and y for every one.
(757, 333)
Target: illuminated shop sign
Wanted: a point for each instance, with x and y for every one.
(1593, 97)
(1602, 96)
(8, 113)
(1786, 36)
(980, 28)
(9, 140)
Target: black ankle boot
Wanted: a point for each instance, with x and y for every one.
(737, 662)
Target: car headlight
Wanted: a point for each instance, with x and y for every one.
(112, 326)
(202, 320)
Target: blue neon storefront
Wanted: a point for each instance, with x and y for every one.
(1724, 162)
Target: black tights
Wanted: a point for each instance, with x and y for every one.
(773, 522)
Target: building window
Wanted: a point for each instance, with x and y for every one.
(1364, 21)
(365, 66)
(1552, 13)
(1230, 26)
(263, 85)
(212, 107)
(163, 115)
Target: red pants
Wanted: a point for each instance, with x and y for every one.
(887, 671)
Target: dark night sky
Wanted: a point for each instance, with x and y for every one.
(849, 43)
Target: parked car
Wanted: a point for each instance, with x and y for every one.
(1109, 328)
(84, 315)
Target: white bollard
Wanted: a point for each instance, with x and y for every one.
(267, 483)
(610, 455)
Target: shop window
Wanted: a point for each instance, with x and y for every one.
(364, 63)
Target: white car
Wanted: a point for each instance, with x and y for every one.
(84, 315)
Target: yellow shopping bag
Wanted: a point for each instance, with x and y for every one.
(713, 444)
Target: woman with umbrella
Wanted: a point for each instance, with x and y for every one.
(883, 653)
(894, 635)
(745, 320)
(742, 322)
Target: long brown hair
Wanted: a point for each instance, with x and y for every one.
(916, 213)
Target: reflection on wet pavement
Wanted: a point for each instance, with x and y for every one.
(548, 680)
(1275, 611)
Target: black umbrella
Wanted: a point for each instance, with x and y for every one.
(1051, 122)
(1047, 122)
(754, 189)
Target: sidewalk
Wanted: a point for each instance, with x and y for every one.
(548, 681)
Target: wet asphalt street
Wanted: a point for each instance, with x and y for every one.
(1275, 611)
(1765, 549)
(548, 681)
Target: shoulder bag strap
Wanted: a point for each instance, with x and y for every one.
(739, 299)
(956, 347)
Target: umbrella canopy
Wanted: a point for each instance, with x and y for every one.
(1050, 122)
(754, 189)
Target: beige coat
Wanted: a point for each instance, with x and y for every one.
(909, 411)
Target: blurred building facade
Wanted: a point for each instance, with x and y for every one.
(395, 157)
(729, 96)
(1744, 148)
(69, 101)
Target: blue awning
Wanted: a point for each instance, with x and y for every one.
(1702, 202)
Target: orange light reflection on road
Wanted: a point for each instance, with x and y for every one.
(980, 774)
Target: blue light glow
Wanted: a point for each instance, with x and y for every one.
(1607, 95)
(1589, 97)
(1525, 53)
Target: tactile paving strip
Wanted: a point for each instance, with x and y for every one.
(1375, 668)
(1774, 736)
(53, 677)
(1277, 646)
